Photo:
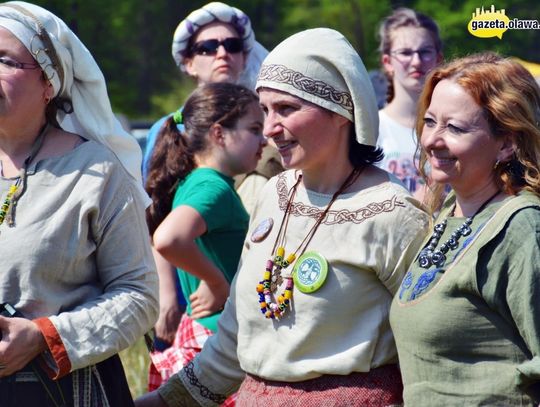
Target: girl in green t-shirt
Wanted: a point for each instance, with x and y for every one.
(196, 219)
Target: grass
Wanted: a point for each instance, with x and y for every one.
(136, 361)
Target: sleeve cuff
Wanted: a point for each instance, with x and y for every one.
(174, 393)
(57, 352)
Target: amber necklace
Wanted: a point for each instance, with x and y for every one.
(272, 274)
(7, 210)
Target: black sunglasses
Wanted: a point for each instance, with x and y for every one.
(209, 47)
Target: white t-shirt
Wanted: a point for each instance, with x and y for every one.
(399, 145)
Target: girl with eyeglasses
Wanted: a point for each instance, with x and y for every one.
(410, 47)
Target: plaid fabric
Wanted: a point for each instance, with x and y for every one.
(381, 387)
(188, 341)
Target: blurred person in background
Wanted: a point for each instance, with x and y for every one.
(410, 47)
(212, 44)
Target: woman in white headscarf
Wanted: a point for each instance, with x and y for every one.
(78, 282)
(306, 322)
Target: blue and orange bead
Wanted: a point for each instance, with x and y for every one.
(268, 308)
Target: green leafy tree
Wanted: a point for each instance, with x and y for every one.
(131, 39)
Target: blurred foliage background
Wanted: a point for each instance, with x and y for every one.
(131, 39)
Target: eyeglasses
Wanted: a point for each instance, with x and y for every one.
(406, 54)
(9, 66)
(210, 47)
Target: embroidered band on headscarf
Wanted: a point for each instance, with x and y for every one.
(217, 11)
(75, 77)
(280, 73)
(322, 67)
(48, 46)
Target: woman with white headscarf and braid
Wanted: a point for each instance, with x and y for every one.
(306, 322)
(77, 282)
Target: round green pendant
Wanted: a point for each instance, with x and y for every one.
(310, 272)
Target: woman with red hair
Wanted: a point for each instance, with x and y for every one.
(472, 292)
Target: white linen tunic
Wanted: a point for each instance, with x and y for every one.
(78, 260)
(343, 327)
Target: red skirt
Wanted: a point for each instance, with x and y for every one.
(377, 388)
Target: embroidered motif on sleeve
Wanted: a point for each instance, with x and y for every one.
(203, 390)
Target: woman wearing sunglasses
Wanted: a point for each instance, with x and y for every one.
(410, 47)
(214, 44)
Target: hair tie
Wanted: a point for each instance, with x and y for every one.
(178, 117)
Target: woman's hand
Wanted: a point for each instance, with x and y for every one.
(170, 311)
(209, 298)
(168, 321)
(174, 239)
(152, 399)
(21, 342)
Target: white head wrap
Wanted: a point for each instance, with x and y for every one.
(217, 11)
(75, 77)
(322, 67)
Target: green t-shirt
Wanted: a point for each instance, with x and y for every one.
(213, 196)
(468, 333)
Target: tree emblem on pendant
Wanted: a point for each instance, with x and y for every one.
(310, 272)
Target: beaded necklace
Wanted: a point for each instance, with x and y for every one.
(272, 274)
(16, 190)
(430, 256)
(7, 202)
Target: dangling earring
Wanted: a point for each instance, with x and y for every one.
(496, 164)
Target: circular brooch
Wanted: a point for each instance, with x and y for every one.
(310, 272)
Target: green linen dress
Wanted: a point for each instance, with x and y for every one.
(468, 333)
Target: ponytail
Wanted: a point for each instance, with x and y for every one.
(171, 162)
